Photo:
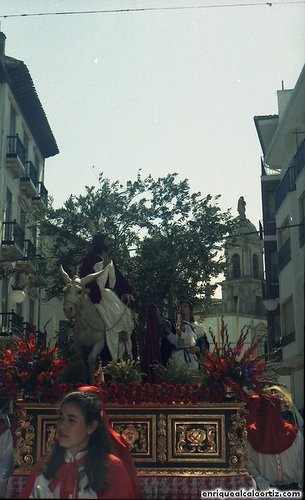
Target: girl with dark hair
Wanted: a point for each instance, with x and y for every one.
(88, 459)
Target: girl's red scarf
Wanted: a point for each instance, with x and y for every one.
(67, 478)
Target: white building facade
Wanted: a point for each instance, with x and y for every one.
(26, 141)
(283, 145)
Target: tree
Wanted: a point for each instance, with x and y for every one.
(168, 240)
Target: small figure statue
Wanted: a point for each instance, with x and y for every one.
(186, 337)
(241, 207)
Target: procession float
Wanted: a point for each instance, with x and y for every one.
(185, 435)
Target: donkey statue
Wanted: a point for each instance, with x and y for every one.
(94, 324)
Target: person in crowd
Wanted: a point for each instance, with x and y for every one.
(152, 345)
(89, 459)
(166, 347)
(157, 347)
(275, 447)
(290, 413)
(6, 452)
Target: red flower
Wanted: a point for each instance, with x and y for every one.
(42, 377)
(36, 371)
(32, 342)
(227, 364)
(7, 358)
(112, 388)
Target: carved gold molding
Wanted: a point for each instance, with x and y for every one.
(237, 439)
(25, 436)
(191, 472)
(161, 438)
(165, 436)
(196, 438)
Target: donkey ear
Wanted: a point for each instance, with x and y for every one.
(64, 275)
(91, 277)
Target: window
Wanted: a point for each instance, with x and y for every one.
(19, 310)
(288, 330)
(4, 294)
(12, 120)
(274, 267)
(32, 311)
(284, 233)
(26, 144)
(235, 266)
(7, 216)
(22, 220)
(284, 245)
(37, 163)
(270, 205)
(255, 266)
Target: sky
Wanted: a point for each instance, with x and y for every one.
(160, 90)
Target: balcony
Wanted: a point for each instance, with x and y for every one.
(15, 156)
(28, 262)
(28, 183)
(11, 324)
(12, 244)
(41, 199)
(38, 278)
(286, 185)
(284, 254)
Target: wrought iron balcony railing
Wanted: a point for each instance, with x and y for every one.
(30, 173)
(42, 196)
(286, 185)
(15, 148)
(11, 323)
(12, 235)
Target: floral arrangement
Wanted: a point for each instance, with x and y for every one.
(38, 373)
(31, 371)
(234, 366)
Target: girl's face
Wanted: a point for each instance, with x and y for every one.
(184, 309)
(72, 431)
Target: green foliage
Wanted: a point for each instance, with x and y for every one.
(175, 373)
(124, 371)
(168, 241)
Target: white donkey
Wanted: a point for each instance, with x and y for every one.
(109, 321)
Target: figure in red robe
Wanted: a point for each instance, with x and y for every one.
(117, 282)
